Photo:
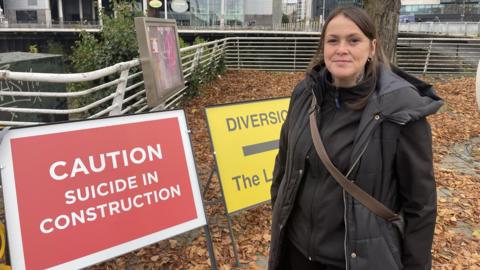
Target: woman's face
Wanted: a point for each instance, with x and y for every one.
(346, 50)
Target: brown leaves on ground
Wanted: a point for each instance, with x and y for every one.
(457, 235)
(455, 243)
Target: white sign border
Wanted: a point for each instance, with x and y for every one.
(10, 195)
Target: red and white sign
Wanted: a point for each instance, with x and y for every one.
(80, 193)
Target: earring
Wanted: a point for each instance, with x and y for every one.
(369, 59)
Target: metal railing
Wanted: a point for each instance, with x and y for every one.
(438, 55)
(90, 26)
(466, 29)
(270, 53)
(309, 26)
(415, 55)
(126, 93)
(314, 26)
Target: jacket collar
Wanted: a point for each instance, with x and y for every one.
(399, 98)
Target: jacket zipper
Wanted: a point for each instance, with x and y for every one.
(377, 117)
(346, 230)
(309, 249)
(344, 195)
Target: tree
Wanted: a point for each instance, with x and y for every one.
(385, 14)
(285, 18)
(115, 43)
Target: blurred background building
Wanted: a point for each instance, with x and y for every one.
(411, 10)
(302, 10)
(233, 12)
(440, 10)
(48, 13)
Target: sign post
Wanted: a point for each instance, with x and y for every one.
(245, 139)
(79, 193)
(478, 86)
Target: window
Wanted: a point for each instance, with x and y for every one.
(26, 16)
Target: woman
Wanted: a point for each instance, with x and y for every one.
(371, 118)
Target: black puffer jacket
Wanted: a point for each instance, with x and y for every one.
(388, 166)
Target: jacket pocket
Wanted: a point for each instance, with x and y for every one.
(374, 254)
(378, 242)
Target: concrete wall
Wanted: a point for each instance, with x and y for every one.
(277, 11)
(263, 12)
(258, 7)
(42, 8)
(26, 4)
(10, 15)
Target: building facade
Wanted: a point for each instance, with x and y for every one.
(226, 12)
(51, 12)
(300, 14)
(440, 10)
(315, 9)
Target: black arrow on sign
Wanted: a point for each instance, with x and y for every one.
(257, 148)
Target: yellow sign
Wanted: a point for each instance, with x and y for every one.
(245, 140)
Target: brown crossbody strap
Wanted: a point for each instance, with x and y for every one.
(364, 198)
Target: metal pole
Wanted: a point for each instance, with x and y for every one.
(48, 15)
(222, 14)
(60, 11)
(165, 3)
(478, 86)
(93, 12)
(208, 12)
(118, 99)
(100, 19)
(80, 7)
(144, 8)
(211, 251)
(205, 189)
(232, 237)
(323, 12)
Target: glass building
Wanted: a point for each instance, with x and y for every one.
(317, 6)
(208, 12)
(446, 10)
(237, 12)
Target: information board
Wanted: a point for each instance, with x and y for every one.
(245, 140)
(160, 57)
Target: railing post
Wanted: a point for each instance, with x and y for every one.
(119, 93)
(295, 55)
(196, 58)
(478, 86)
(212, 56)
(428, 57)
(224, 53)
(238, 53)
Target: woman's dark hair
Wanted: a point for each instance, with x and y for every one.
(366, 25)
